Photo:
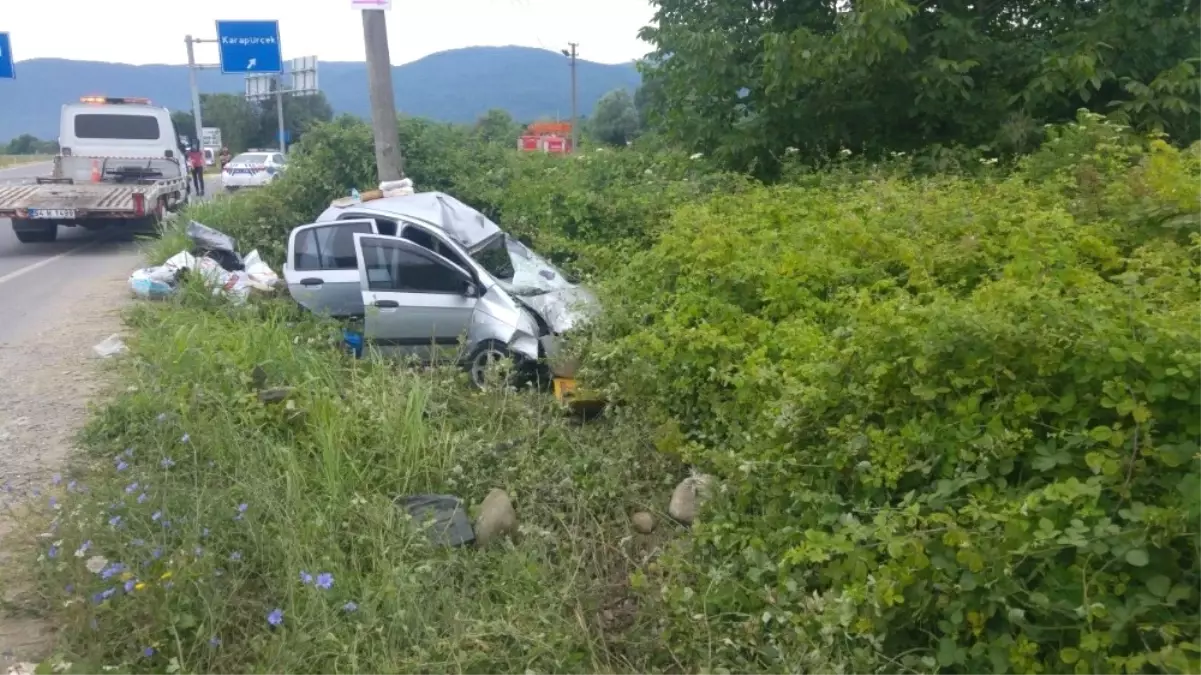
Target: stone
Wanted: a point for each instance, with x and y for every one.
(689, 495)
(497, 518)
(644, 522)
(275, 394)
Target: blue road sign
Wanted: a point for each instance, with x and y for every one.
(249, 47)
(8, 69)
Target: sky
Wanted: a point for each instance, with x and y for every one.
(148, 31)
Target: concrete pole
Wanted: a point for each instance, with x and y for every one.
(195, 89)
(575, 114)
(389, 161)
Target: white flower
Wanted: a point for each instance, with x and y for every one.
(97, 563)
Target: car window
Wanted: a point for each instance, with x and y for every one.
(429, 242)
(383, 225)
(391, 267)
(328, 248)
(248, 158)
(277, 158)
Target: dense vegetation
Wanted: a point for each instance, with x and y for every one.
(952, 404)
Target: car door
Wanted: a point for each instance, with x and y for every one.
(416, 301)
(321, 271)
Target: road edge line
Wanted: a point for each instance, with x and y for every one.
(41, 263)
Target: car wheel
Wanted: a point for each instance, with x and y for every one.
(484, 356)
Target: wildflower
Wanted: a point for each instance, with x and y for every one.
(167, 463)
(185, 438)
(166, 575)
(241, 510)
(276, 617)
(70, 588)
(56, 479)
(111, 570)
(139, 586)
(305, 577)
(204, 532)
(53, 502)
(129, 489)
(157, 553)
(142, 498)
(129, 585)
(166, 523)
(96, 564)
(325, 580)
(121, 465)
(138, 542)
(214, 641)
(128, 452)
(235, 556)
(157, 515)
(71, 486)
(148, 652)
(162, 417)
(114, 521)
(83, 548)
(53, 552)
(350, 607)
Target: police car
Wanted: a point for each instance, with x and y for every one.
(254, 168)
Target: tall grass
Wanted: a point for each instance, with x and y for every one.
(214, 514)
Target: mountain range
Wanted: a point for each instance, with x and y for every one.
(453, 86)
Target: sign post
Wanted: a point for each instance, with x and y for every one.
(8, 67)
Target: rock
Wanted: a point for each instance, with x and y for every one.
(689, 495)
(258, 377)
(497, 518)
(275, 394)
(644, 523)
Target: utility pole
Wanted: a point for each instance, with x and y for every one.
(279, 111)
(388, 159)
(575, 115)
(195, 87)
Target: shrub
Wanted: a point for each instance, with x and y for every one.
(956, 421)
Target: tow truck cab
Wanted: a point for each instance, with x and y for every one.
(116, 128)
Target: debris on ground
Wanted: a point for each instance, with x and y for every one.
(110, 346)
(689, 495)
(223, 269)
(443, 517)
(497, 518)
(643, 522)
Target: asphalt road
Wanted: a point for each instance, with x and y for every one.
(33, 276)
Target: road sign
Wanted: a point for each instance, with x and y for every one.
(260, 87)
(8, 69)
(249, 47)
(304, 76)
(385, 5)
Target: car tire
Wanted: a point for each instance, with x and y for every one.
(28, 234)
(481, 357)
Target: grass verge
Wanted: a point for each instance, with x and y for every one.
(207, 531)
(9, 161)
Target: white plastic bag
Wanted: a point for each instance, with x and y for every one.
(259, 274)
(397, 188)
(109, 347)
(152, 282)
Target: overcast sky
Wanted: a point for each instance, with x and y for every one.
(152, 31)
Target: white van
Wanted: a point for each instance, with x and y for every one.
(108, 127)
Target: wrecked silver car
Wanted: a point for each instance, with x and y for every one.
(424, 270)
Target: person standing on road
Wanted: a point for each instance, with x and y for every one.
(196, 161)
(225, 157)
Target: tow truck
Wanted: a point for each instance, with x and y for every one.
(119, 166)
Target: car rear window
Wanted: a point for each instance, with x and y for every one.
(119, 127)
(246, 158)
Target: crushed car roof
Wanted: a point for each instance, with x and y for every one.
(469, 227)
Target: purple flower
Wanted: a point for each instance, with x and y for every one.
(128, 452)
(97, 598)
(142, 498)
(129, 489)
(53, 552)
(70, 588)
(276, 617)
(166, 523)
(121, 465)
(129, 585)
(108, 593)
(53, 502)
(305, 577)
(148, 652)
(71, 486)
(235, 556)
(114, 521)
(157, 553)
(350, 607)
(83, 548)
(56, 478)
(241, 510)
(185, 438)
(325, 581)
(167, 463)
(214, 641)
(157, 515)
(112, 570)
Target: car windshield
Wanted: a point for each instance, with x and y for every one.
(522, 271)
(247, 158)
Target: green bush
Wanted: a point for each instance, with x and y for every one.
(956, 421)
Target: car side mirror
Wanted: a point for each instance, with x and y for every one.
(471, 290)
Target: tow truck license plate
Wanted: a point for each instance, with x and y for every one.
(52, 214)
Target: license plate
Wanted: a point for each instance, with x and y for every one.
(52, 214)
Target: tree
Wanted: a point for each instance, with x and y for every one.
(27, 144)
(747, 80)
(498, 126)
(236, 117)
(615, 120)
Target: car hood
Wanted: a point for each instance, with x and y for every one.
(562, 309)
